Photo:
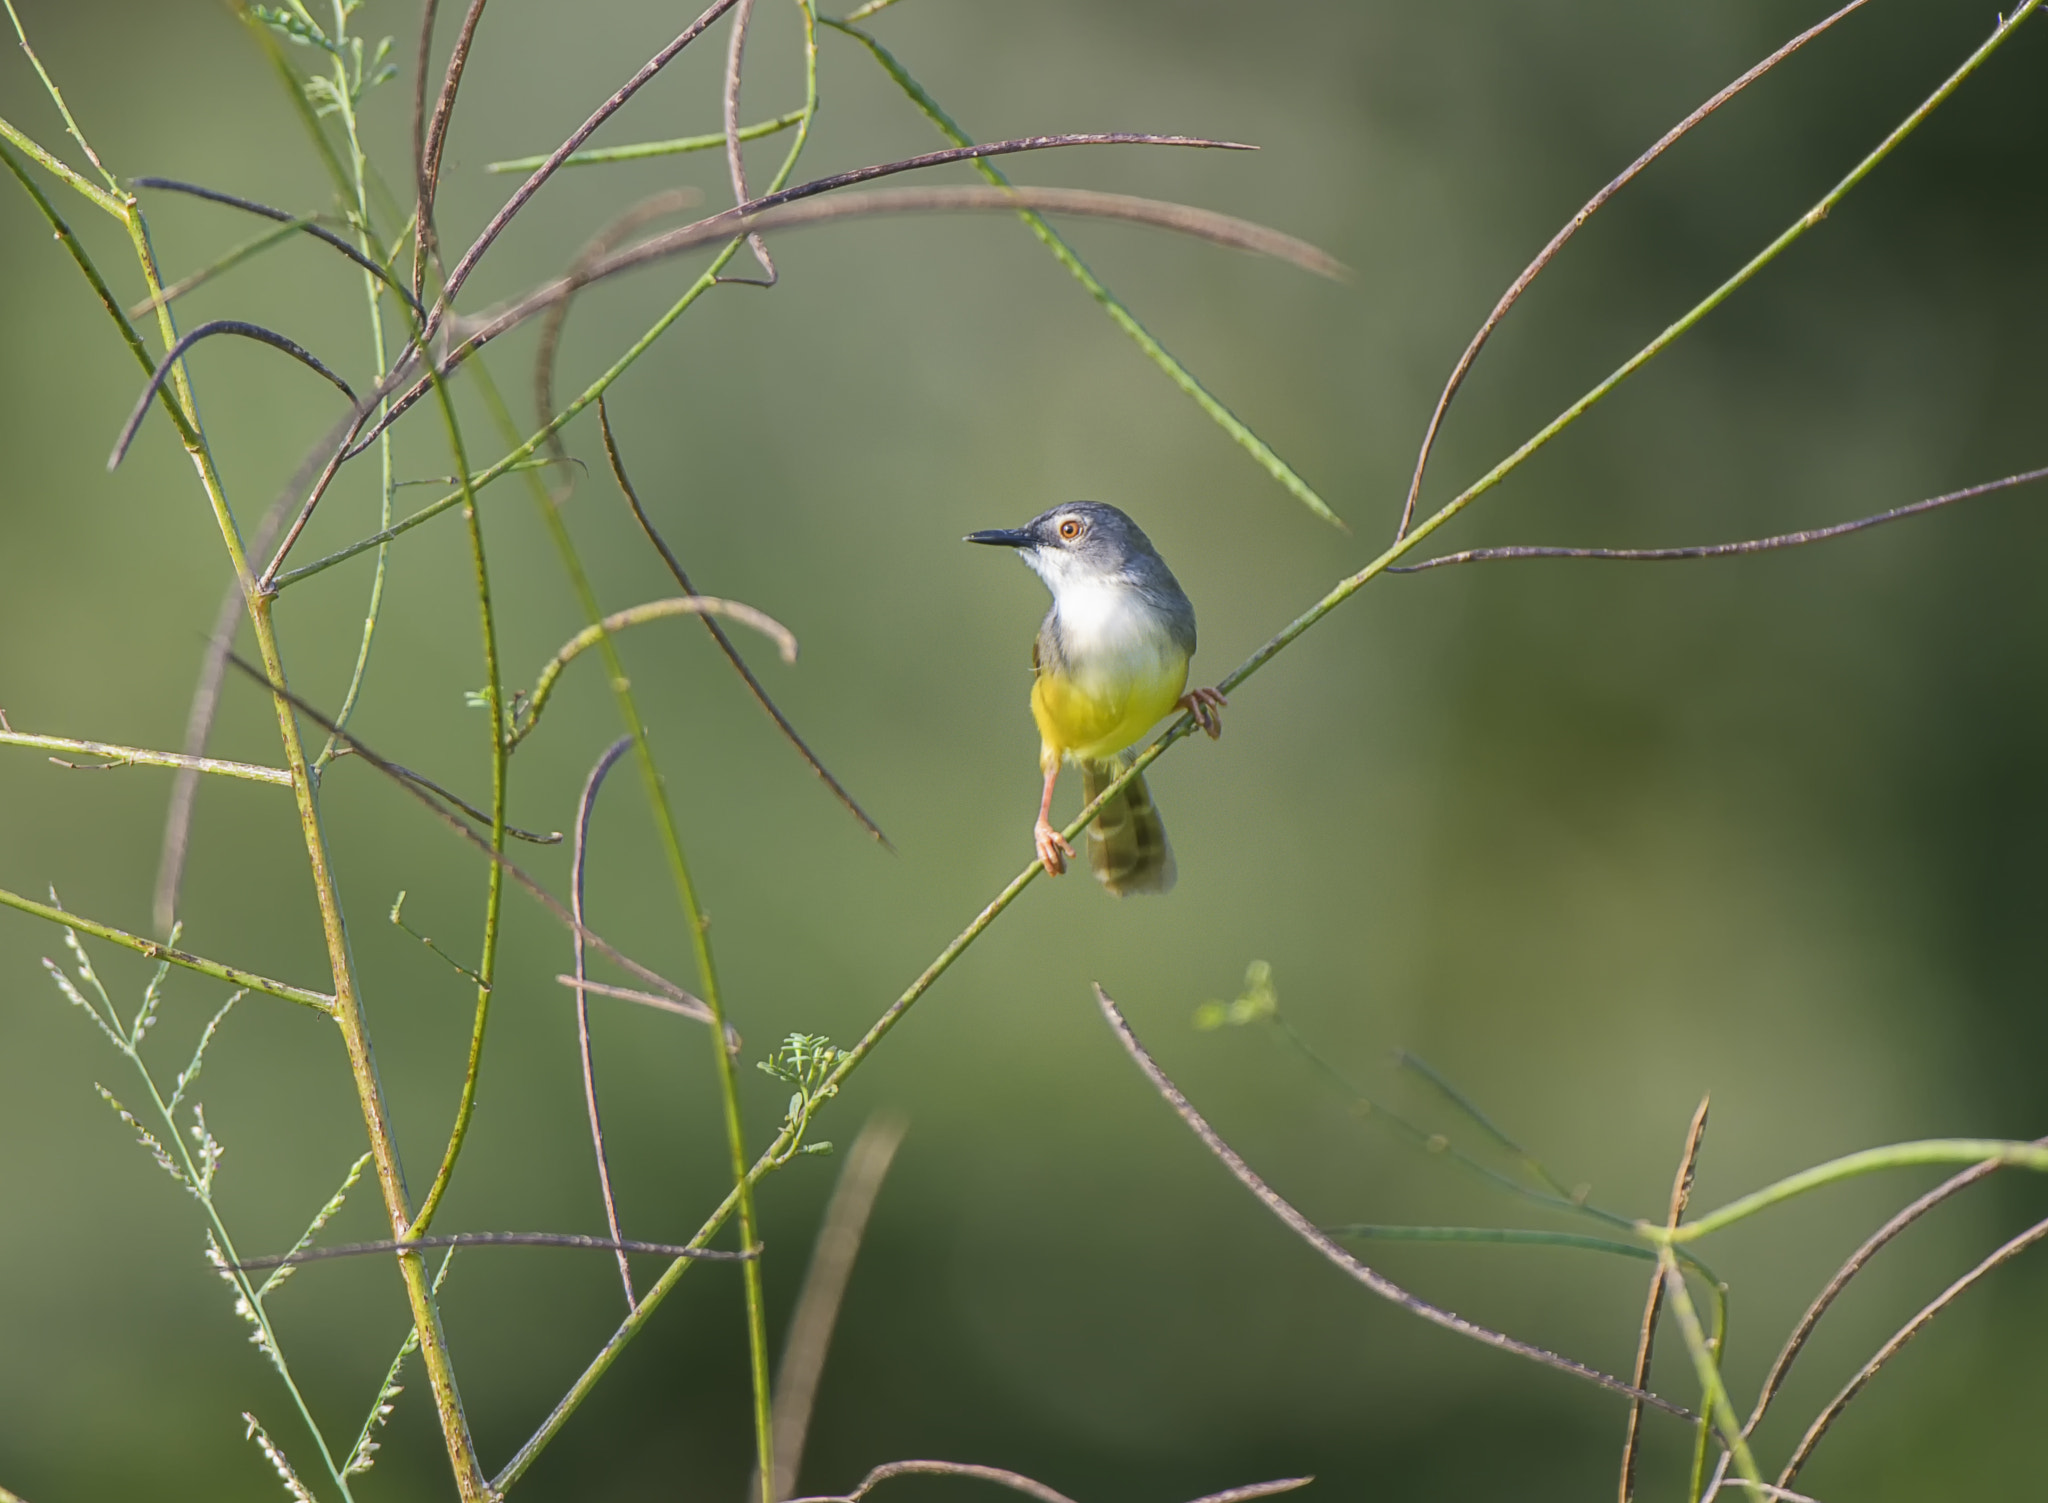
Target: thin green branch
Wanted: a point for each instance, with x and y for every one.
(228, 261)
(138, 756)
(76, 249)
(1508, 1236)
(1121, 316)
(494, 706)
(1714, 1401)
(653, 610)
(373, 293)
(57, 98)
(233, 975)
(641, 150)
(2032, 1156)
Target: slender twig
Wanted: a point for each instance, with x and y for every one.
(498, 724)
(482, 817)
(1017, 1482)
(2032, 1156)
(75, 248)
(729, 227)
(246, 330)
(459, 273)
(1501, 1235)
(1310, 1233)
(50, 162)
(594, 265)
(57, 98)
(423, 57)
(498, 858)
(137, 756)
(1853, 1265)
(1416, 1064)
(1558, 241)
(494, 1239)
(1653, 1304)
(309, 224)
(1729, 550)
(785, 213)
(225, 262)
(653, 610)
(641, 150)
(584, 805)
(437, 129)
(735, 159)
(824, 1290)
(719, 635)
(690, 1009)
(1804, 1451)
(233, 975)
(1715, 1405)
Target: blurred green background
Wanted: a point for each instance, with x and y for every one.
(1592, 839)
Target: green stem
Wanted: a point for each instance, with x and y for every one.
(233, 975)
(141, 756)
(347, 1005)
(1511, 1236)
(638, 615)
(641, 150)
(486, 970)
(76, 249)
(57, 98)
(1703, 1430)
(1896, 1156)
(1714, 1401)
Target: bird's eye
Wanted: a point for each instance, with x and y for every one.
(1071, 528)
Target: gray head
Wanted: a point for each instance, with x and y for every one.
(1085, 545)
(1082, 540)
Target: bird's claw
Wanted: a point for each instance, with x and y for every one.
(1203, 704)
(1053, 849)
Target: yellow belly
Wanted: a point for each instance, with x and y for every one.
(1092, 719)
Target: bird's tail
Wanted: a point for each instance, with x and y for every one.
(1127, 846)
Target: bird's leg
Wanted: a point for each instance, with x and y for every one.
(1203, 705)
(1053, 849)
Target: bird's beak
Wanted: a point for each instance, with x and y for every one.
(1003, 537)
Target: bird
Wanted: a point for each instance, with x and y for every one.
(1110, 661)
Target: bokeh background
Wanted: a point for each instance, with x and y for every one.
(1592, 839)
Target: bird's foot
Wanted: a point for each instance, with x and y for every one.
(1203, 704)
(1053, 849)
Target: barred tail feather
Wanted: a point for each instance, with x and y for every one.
(1127, 845)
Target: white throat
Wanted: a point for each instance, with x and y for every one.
(1105, 623)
